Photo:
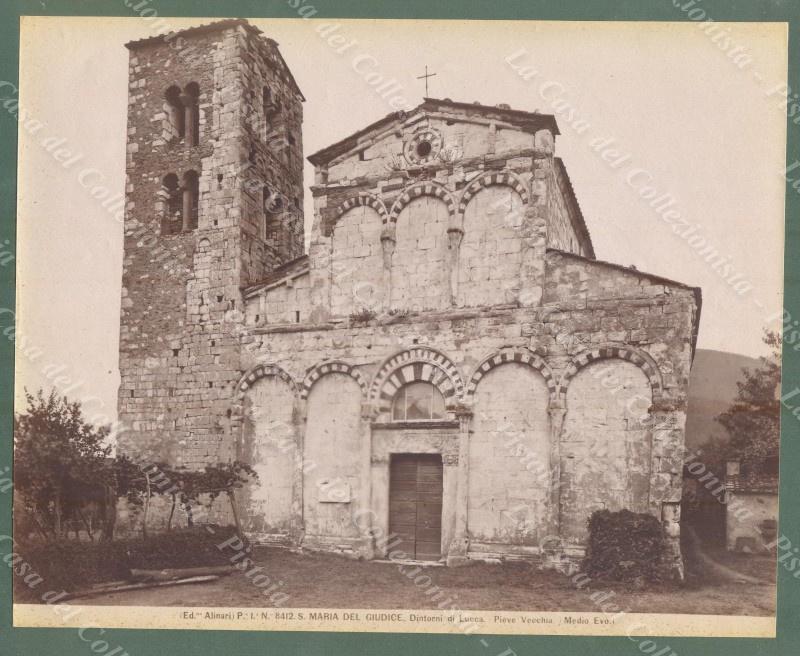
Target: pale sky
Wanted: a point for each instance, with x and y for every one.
(676, 106)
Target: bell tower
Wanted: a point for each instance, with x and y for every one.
(214, 197)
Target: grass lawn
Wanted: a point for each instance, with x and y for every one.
(314, 580)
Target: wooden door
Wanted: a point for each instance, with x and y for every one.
(415, 504)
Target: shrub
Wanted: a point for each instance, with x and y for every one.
(70, 565)
(362, 316)
(626, 546)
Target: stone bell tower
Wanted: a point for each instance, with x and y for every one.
(214, 197)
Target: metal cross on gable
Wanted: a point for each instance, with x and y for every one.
(425, 77)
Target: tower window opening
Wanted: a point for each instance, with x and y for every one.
(171, 222)
(270, 108)
(273, 204)
(175, 124)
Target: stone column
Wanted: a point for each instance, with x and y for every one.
(533, 233)
(666, 474)
(189, 115)
(455, 234)
(388, 240)
(320, 257)
(457, 553)
(366, 547)
(187, 207)
(379, 499)
(557, 412)
(299, 425)
(671, 520)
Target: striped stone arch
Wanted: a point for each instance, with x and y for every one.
(523, 356)
(333, 366)
(261, 371)
(421, 189)
(247, 381)
(505, 178)
(362, 199)
(416, 364)
(625, 353)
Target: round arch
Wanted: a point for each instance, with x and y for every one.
(416, 364)
(503, 178)
(421, 189)
(625, 353)
(247, 380)
(523, 356)
(363, 199)
(333, 366)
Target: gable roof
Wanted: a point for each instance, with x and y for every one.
(525, 121)
(292, 269)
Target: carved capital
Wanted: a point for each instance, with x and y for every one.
(449, 459)
(369, 411)
(388, 234)
(454, 236)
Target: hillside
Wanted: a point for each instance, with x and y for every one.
(712, 387)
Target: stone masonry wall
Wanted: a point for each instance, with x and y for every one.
(509, 459)
(271, 157)
(182, 308)
(637, 331)
(606, 453)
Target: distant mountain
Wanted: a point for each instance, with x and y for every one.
(712, 387)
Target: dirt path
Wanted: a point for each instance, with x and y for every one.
(328, 581)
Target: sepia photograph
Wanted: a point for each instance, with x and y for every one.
(409, 326)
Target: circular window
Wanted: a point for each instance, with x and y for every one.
(423, 146)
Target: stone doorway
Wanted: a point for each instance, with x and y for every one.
(415, 504)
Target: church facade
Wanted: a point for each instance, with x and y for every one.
(448, 373)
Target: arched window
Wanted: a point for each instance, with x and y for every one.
(171, 223)
(191, 199)
(174, 124)
(191, 102)
(417, 402)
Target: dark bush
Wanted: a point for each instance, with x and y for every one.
(72, 565)
(626, 546)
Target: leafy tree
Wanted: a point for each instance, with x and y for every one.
(59, 459)
(753, 419)
(62, 463)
